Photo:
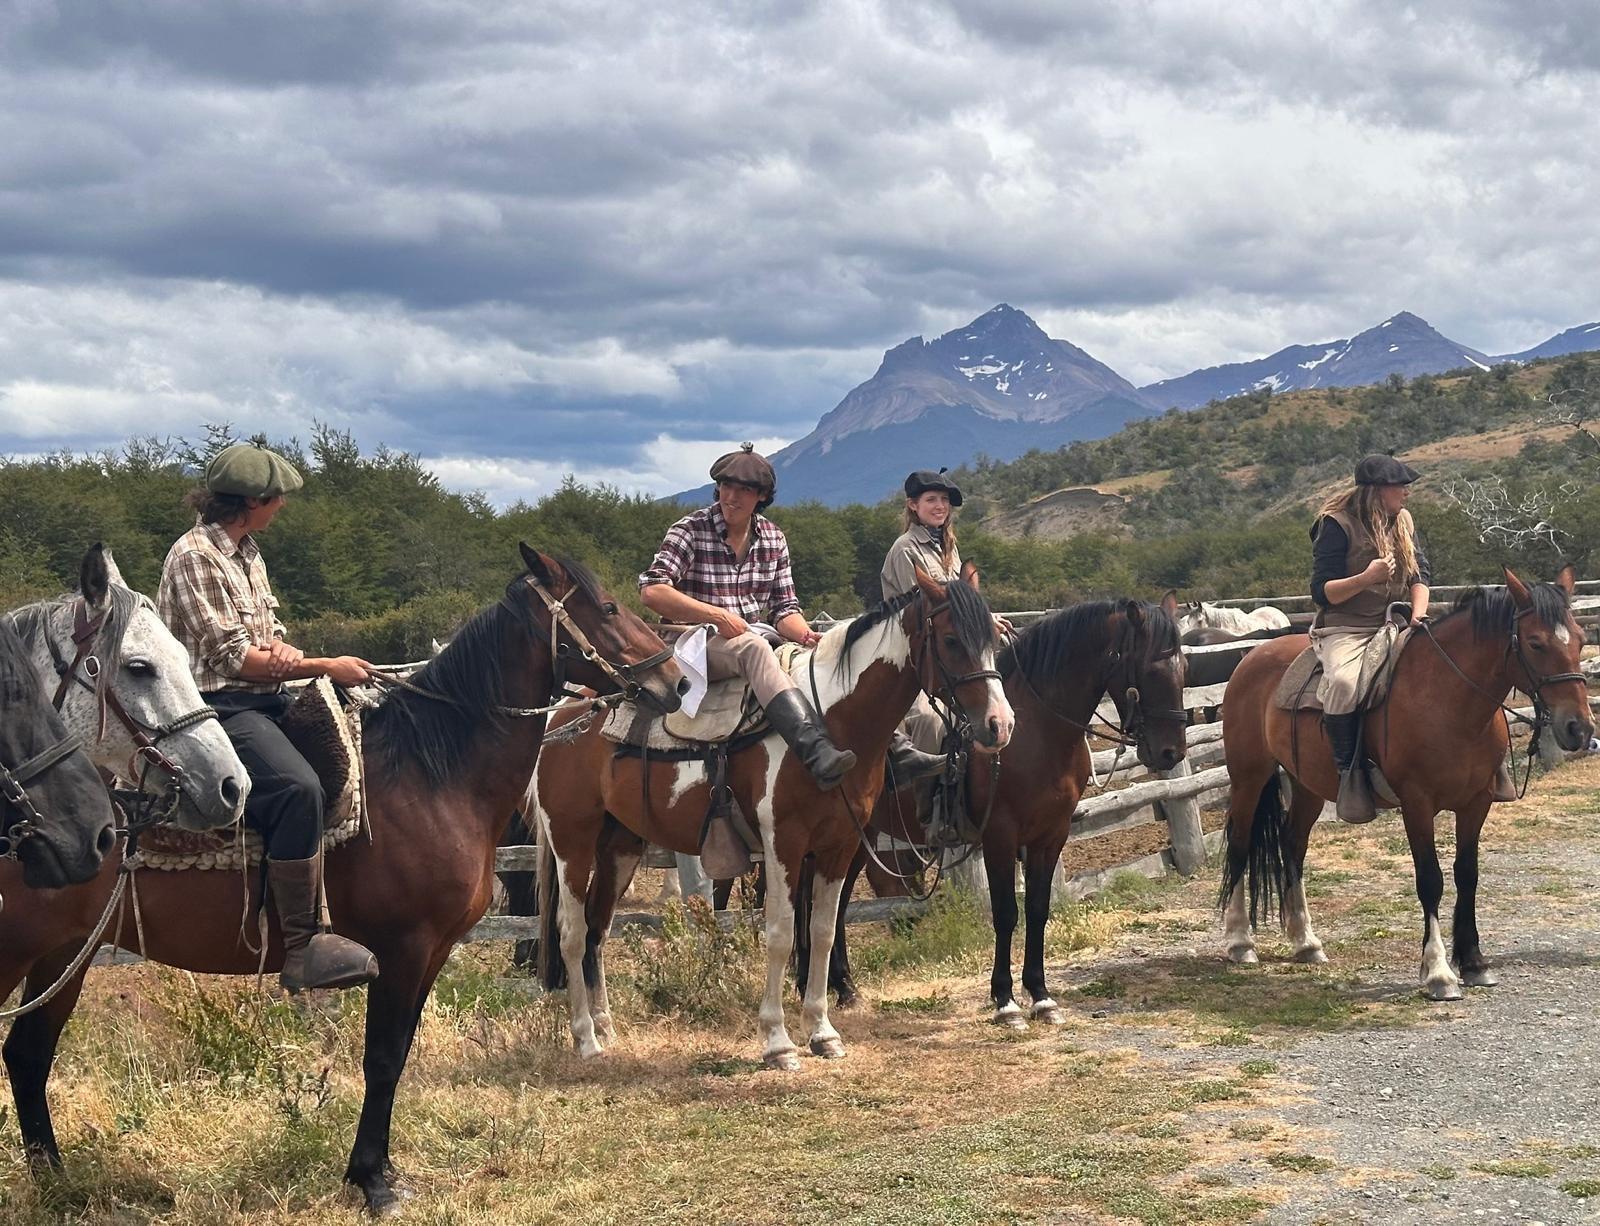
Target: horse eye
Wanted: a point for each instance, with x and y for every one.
(141, 668)
(609, 608)
(950, 640)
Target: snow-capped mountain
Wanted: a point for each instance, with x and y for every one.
(998, 387)
(1403, 344)
(1574, 340)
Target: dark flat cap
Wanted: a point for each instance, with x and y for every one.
(748, 467)
(925, 479)
(1385, 470)
(248, 471)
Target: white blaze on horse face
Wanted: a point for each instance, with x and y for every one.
(1563, 635)
(999, 707)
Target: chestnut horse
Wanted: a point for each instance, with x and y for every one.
(596, 808)
(1437, 738)
(447, 761)
(56, 818)
(1056, 672)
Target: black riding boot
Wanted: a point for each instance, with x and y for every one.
(802, 729)
(907, 762)
(1355, 790)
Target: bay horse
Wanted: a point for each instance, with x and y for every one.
(446, 762)
(1056, 672)
(596, 807)
(1438, 738)
(56, 819)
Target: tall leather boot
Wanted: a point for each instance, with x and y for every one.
(907, 762)
(802, 729)
(313, 958)
(1355, 790)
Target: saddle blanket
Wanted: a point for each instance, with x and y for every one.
(1297, 690)
(728, 709)
(328, 734)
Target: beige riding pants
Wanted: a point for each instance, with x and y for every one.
(749, 656)
(923, 725)
(1340, 650)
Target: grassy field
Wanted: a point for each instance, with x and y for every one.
(195, 1100)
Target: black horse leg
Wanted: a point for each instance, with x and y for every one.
(30, 1050)
(1001, 865)
(1439, 982)
(522, 892)
(1465, 949)
(394, 1007)
(840, 980)
(802, 926)
(1038, 877)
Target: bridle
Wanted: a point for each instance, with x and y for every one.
(84, 670)
(17, 830)
(948, 681)
(624, 676)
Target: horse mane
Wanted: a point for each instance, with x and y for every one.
(857, 628)
(1044, 648)
(122, 604)
(1494, 610)
(19, 684)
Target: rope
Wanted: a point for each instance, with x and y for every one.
(84, 954)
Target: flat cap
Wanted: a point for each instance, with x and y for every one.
(1385, 470)
(248, 471)
(925, 479)
(749, 467)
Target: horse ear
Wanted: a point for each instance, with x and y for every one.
(1169, 603)
(94, 576)
(931, 587)
(1134, 611)
(113, 572)
(969, 574)
(1517, 588)
(543, 568)
(1567, 578)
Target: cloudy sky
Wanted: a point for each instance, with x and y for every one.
(611, 237)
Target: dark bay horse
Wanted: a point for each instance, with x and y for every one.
(1437, 738)
(1056, 672)
(445, 768)
(596, 807)
(56, 819)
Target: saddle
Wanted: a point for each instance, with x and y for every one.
(327, 732)
(728, 713)
(1297, 689)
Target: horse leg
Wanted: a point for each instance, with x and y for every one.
(1304, 809)
(30, 1051)
(394, 1007)
(1041, 862)
(1466, 952)
(840, 980)
(1000, 863)
(802, 925)
(572, 885)
(618, 860)
(1438, 980)
(823, 1038)
(778, 1050)
(1254, 863)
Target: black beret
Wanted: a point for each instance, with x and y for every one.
(925, 479)
(248, 471)
(747, 467)
(1384, 470)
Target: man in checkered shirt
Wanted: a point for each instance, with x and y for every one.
(729, 565)
(215, 596)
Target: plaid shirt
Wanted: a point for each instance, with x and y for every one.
(695, 559)
(216, 598)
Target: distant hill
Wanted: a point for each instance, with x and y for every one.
(1574, 340)
(1403, 344)
(998, 387)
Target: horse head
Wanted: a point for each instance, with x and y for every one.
(1146, 680)
(622, 651)
(954, 644)
(1546, 643)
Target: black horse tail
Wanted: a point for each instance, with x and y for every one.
(552, 970)
(1262, 861)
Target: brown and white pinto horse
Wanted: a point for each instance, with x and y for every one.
(1437, 738)
(446, 763)
(1056, 671)
(595, 807)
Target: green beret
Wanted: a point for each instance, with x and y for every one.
(249, 471)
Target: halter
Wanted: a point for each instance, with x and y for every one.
(146, 738)
(17, 831)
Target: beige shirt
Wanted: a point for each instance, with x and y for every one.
(915, 547)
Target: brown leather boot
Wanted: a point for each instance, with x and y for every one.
(313, 958)
(1504, 787)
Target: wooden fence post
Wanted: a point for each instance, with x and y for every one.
(1183, 825)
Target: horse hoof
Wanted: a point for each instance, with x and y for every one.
(1311, 956)
(787, 1061)
(1483, 977)
(1243, 955)
(1442, 989)
(1010, 1016)
(1048, 1013)
(604, 1034)
(828, 1049)
(590, 1050)
(385, 1201)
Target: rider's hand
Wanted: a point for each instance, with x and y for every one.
(809, 639)
(731, 625)
(348, 670)
(1003, 626)
(1379, 571)
(282, 659)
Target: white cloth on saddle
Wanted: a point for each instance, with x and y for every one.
(690, 653)
(717, 717)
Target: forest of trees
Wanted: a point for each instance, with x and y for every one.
(374, 556)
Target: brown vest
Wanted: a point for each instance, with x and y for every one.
(1365, 608)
